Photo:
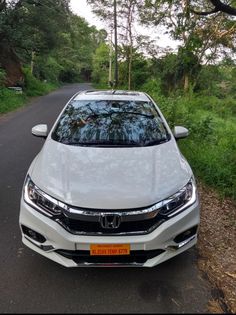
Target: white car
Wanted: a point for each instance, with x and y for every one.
(110, 186)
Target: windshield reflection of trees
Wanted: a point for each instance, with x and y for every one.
(110, 122)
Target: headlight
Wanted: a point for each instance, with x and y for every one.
(42, 202)
(184, 198)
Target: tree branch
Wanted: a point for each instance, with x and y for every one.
(218, 6)
(223, 7)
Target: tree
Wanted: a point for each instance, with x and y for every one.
(28, 28)
(9, 61)
(47, 37)
(202, 38)
(127, 16)
(76, 49)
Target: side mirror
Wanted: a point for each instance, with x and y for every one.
(180, 132)
(40, 131)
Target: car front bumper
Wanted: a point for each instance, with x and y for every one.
(58, 240)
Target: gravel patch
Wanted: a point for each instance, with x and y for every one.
(217, 248)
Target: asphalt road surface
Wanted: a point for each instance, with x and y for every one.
(30, 283)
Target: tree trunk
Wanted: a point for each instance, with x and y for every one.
(186, 82)
(32, 62)
(130, 67)
(110, 83)
(130, 36)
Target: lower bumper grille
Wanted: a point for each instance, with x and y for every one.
(83, 257)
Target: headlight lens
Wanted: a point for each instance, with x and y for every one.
(184, 198)
(39, 200)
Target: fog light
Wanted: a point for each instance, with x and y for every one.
(186, 234)
(33, 235)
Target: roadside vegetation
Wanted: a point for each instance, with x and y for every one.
(42, 45)
(11, 99)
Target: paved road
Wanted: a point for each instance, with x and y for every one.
(30, 283)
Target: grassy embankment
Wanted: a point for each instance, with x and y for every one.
(10, 100)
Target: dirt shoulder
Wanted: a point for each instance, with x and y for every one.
(217, 248)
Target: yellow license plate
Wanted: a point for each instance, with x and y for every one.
(109, 249)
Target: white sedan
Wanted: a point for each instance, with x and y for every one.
(109, 186)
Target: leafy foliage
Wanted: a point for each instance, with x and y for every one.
(203, 38)
(101, 65)
(45, 35)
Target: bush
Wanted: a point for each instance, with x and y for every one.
(211, 146)
(34, 87)
(153, 88)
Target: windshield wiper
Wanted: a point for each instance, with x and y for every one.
(136, 113)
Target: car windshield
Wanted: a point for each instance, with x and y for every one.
(110, 123)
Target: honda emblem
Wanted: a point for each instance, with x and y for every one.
(110, 221)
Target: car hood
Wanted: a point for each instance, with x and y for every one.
(110, 178)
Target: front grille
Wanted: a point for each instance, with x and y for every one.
(138, 227)
(136, 256)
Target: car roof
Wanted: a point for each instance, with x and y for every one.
(112, 95)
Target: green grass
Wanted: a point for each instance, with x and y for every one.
(10, 100)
